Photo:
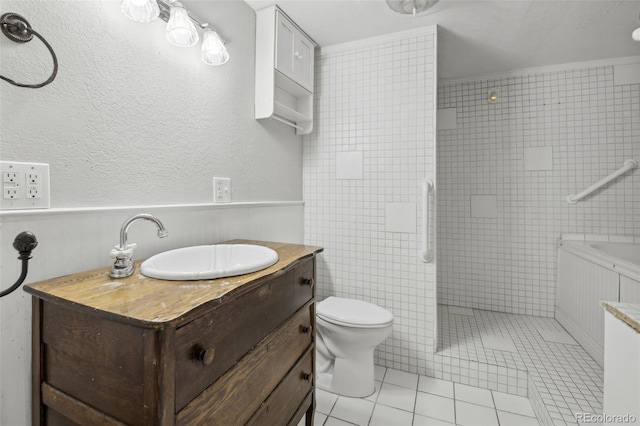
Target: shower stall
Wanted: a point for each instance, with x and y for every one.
(505, 168)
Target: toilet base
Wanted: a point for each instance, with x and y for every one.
(350, 377)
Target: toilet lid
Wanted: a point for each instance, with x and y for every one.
(351, 311)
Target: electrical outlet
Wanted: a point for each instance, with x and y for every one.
(33, 178)
(24, 185)
(34, 191)
(221, 190)
(11, 192)
(10, 177)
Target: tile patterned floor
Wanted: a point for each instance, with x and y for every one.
(562, 376)
(405, 399)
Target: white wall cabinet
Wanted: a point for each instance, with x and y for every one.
(284, 71)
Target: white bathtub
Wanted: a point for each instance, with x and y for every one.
(623, 258)
(589, 272)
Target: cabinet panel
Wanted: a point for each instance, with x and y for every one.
(234, 397)
(581, 287)
(53, 418)
(629, 290)
(285, 35)
(233, 329)
(621, 368)
(106, 359)
(283, 403)
(303, 62)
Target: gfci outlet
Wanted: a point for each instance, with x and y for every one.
(24, 185)
(221, 190)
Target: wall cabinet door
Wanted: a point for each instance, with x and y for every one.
(294, 53)
(285, 35)
(303, 62)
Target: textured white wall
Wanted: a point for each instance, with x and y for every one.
(133, 120)
(372, 146)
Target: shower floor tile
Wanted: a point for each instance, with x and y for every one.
(565, 378)
(557, 337)
(501, 343)
(461, 311)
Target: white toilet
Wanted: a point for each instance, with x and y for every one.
(348, 331)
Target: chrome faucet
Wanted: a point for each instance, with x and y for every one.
(123, 253)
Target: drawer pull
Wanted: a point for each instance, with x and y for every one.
(306, 329)
(206, 356)
(308, 281)
(306, 377)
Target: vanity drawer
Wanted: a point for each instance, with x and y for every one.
(208, 346)
(237, 394)
(285, 400)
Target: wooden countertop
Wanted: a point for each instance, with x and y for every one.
(152, 303)
(629, 313)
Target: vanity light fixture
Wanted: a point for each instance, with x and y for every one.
(213, 50)
(140, 10)
(181, 30)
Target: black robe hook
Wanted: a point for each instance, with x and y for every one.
(25, 242)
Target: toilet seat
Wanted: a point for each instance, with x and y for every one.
(353, 313)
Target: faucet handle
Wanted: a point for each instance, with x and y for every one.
(122, 253)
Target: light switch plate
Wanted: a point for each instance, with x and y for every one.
(24, 186)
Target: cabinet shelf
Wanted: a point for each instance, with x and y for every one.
(289, 113)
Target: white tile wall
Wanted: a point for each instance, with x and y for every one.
(376, 98)
(349, 165)
(400, 217)
(507, 263)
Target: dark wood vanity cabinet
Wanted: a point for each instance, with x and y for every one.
(245, 356)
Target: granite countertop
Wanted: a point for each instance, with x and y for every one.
(628, 313)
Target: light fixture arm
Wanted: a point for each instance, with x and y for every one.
(165, 13)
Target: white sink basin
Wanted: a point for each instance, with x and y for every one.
(208, 262)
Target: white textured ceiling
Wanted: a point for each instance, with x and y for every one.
(479, 37)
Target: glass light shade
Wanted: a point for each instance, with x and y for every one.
(180, 30)
(140, 10)
(636, 34)
(410, 7)
(213, 50)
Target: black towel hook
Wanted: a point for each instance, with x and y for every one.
(25, 242)
(18, 29)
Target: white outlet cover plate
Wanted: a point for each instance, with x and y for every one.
(221, 190)
(23, 201)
